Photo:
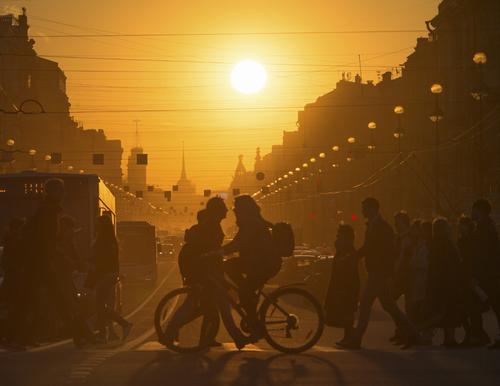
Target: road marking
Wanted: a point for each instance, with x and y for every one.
(230, 346)
(67, 341)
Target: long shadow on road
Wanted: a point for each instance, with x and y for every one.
(237, 368)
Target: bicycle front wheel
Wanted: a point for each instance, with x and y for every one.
(293, 320)
(186, 320)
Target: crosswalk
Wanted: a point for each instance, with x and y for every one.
(230, 346)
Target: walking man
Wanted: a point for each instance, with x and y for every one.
(379, 253)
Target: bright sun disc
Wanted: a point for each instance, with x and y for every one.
(248, 77)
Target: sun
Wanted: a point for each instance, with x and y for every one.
(248, 77)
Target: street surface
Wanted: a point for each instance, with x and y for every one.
(142, 361)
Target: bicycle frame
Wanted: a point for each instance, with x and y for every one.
(260, 294)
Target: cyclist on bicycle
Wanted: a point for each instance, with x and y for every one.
(258, 259)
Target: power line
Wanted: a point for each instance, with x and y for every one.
(260, 33)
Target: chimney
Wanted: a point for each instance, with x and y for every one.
(387, 76)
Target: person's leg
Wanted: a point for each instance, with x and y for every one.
(390, 306)
(227, 317)
(100, 303)
(367, 298)
(211, 319)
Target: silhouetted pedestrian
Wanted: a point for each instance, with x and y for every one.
(14, 284)
(378, 251)
(41, 238)
(486, 269)
(445, 293)
(404, 249)
(199, 271)
(474, 305)
(107, 269)
(343, 290)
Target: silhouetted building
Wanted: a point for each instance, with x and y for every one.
(468, 132)
(136, 172)
(36, 85)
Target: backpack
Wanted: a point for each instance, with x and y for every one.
(283, 239)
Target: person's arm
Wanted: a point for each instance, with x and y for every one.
(233, 246)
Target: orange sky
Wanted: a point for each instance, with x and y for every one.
(185, 79)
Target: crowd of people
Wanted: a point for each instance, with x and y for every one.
(445, 282)
(39, 260)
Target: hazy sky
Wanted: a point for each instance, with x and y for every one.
(178, 86)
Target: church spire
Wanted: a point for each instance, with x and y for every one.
(240, 168)
(183, 172)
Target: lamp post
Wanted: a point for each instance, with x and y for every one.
(478, 93)
(436, 117)
(399, 132)
(32, 154)
(335, 150)
(372, 126)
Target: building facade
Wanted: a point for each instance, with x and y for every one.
(350, 142)
(36, 113)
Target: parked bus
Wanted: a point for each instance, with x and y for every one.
(86, 197)
(137, 240)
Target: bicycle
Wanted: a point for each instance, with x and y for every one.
(291, 319)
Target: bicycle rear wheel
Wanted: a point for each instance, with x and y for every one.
(186, 320)
(292, 319)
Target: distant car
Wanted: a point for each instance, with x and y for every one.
(166, 251)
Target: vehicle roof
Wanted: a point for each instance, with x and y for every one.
(47, 175)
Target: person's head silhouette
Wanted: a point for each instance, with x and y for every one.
(370, 208)
(246, 209)
(481, 209)
(216, 208)
(54, 190)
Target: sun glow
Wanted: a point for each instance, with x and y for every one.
(248, 77)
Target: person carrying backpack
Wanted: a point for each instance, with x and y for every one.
(259, 259)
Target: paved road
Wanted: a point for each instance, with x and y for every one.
(142, 361)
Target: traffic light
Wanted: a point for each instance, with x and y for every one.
(168, 195)
(142, 159)
(151, 188)
(207, 193)
(98, 159)
(175, 188)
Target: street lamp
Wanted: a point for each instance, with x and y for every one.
(47, 160)
(32, 154)
(335, 148)
(351, 140)
(479, 92)
(312, 160)
(436, 117)
(399, 132)
(10, 142)
(372, 126)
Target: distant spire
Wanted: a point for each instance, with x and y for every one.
(240, 169)
(183, 172)
(136, 132)
(258, 157)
